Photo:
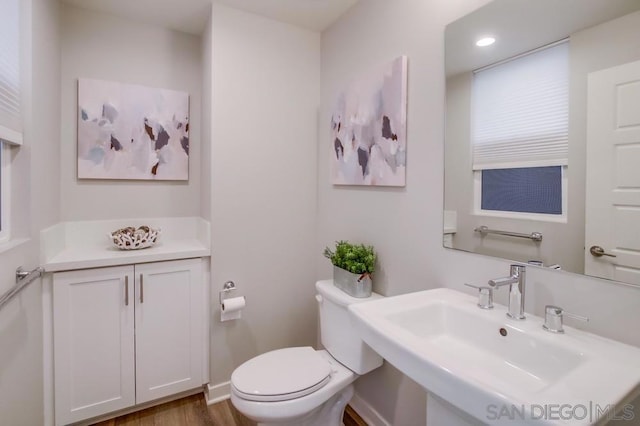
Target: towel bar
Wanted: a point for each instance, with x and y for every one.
(484, 230)
(23, 279)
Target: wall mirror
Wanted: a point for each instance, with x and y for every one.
(542, 147)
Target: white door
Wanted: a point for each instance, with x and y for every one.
(613, 174)
(168, 328)
(93, 326)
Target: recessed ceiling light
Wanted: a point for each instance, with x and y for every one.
(485, 41)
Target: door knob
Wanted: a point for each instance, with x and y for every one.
(598, 251)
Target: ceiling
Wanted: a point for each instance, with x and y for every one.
(522, 25)
(191, 15)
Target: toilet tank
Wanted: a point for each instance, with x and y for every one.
(338, 335)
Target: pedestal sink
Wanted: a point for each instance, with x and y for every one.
(496, 370)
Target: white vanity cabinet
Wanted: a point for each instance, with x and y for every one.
(126, 335)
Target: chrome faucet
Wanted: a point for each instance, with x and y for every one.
(516, 282)
(553, 316)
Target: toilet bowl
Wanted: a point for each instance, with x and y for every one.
(302, 386)
(300, 396)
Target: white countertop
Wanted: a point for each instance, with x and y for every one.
(98, 256)
(82, 245)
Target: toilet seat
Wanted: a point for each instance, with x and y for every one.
(281, 375)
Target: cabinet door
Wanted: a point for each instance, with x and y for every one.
(168, 328)
(93, 327)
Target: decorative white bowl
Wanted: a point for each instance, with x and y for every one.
(134, 239)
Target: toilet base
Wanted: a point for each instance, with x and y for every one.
(328, 414)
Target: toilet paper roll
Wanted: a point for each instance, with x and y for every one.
(232, 308)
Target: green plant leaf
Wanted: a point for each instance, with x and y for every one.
(355, 258)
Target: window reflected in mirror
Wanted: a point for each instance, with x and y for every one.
(543, 134)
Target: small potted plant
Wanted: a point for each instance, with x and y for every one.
(353, 265)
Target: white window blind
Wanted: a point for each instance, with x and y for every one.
(520, 114)
(10, 116)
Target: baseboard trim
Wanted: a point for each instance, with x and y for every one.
(367, 412)
(217, 393)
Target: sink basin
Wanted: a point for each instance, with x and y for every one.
(482, 362)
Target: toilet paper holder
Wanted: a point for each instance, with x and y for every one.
(227, 288)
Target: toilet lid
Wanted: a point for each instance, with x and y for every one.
(281, 375)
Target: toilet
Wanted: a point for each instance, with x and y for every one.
(302, 386)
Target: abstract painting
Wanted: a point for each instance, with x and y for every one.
(369, 129)
(132, 132)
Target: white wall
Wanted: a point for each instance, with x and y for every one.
(106, 47)
(266, 83)
(44, 120)
(405, 225)
(207, 120)
(35, 173)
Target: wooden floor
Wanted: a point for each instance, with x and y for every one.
(191, 411)
(194, 411)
